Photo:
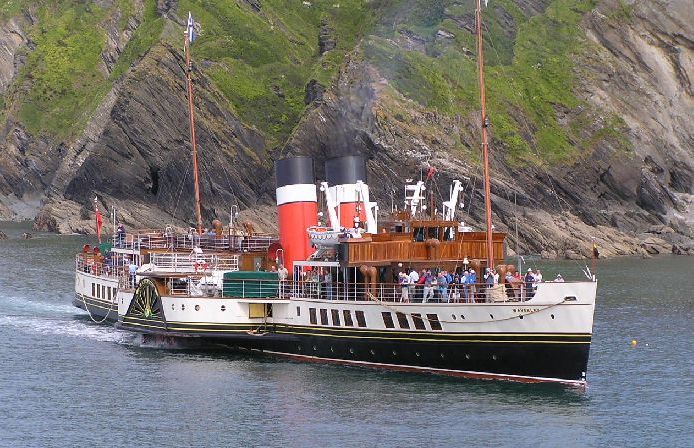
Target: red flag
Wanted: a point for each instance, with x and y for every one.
(99, 224)
(431, 172)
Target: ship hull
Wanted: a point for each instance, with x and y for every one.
(99, 310)
(528, 358)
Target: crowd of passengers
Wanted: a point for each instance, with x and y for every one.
(443, 286)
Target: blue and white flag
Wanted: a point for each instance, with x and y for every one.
(190, 29)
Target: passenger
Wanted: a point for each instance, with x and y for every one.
(429, 282)
(413, 279)
(472, 284)
(464, 281)
(442, 282)
(282, 274)
(496, 276)
(559, 279)
(132, 270)
(529, 280)
(420, 283)
(120, 236)
(404, 281)
(508, 283)
(328, 278)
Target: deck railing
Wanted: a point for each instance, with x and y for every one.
(89, 265)
(157, 239)
(177, 262)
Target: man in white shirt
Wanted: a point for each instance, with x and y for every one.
(412, 284)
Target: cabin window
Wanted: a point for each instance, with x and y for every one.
(312, 316)
(298, 311)
(418, 234)
(402, 320)
(93, 290)
(347, 315)
(449, 234)
(433, 232)
(418, 321)
(388, 319)
(109, 293)
(434, 321)
(323, 316)
(103, 292)
(336, 317)
(361, 321)
(98, 291)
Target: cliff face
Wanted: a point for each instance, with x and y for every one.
(590, 105)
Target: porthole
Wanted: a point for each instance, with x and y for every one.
(351, 350)
(467, 356)
(442, 356)
(372, 351)
(223, 308)
(491, 315)
(453, 316)
(298, 348)
(462, 316)
(417, 354)
(173, 306)
(332, 349)
(315, 348)
(197, 307)
(395, 353)
(520, 317)
(494, 357)
(552, 316)
(183, 307)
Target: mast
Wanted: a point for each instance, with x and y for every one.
(191, 114)
(485, 137)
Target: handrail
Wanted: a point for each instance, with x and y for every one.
(89, 265)
(161, 239)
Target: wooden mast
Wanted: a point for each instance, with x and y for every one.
(485, 137)
(191, 114)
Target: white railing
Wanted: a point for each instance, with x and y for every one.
(177, 262)
(89, 265)
(167, 240)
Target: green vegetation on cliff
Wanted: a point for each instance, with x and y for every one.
(262, 53)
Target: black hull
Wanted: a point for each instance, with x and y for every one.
(100, 311)
(515, 357)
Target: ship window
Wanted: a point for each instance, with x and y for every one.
(103, 291)
(449, 234)
(388, 319)
(402, 320)
(110, 293)
(298, 311)
(361, 321)
(418, 322)
(347, 315)
(323, 316)
(93, 290)
(434, 321)
(98, 291)
(336, 317)
(419, 234)
(312, 316)
(433, 232)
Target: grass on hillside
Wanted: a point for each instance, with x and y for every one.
(263, 60)
(528, 75)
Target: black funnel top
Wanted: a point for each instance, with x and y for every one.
(294, 170)
(345, 170)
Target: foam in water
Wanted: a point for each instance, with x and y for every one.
(63, 327)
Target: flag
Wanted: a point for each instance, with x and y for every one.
(430, 172)
(99, 220)
(190, 28)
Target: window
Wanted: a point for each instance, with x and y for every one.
(323, 316)
(418, 234)
(433, 232)
(388, 319)
(402, 320)
(110, 293)
(347, 315)
(93, 290)
(336, 317)
(361, 321)
(103, 291)
(418, 322)
(298, 311)
(312, 316)
(98, 291)
(434, 321)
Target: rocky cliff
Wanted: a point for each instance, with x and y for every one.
(591, 106)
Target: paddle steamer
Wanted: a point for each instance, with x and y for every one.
(343, 291)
